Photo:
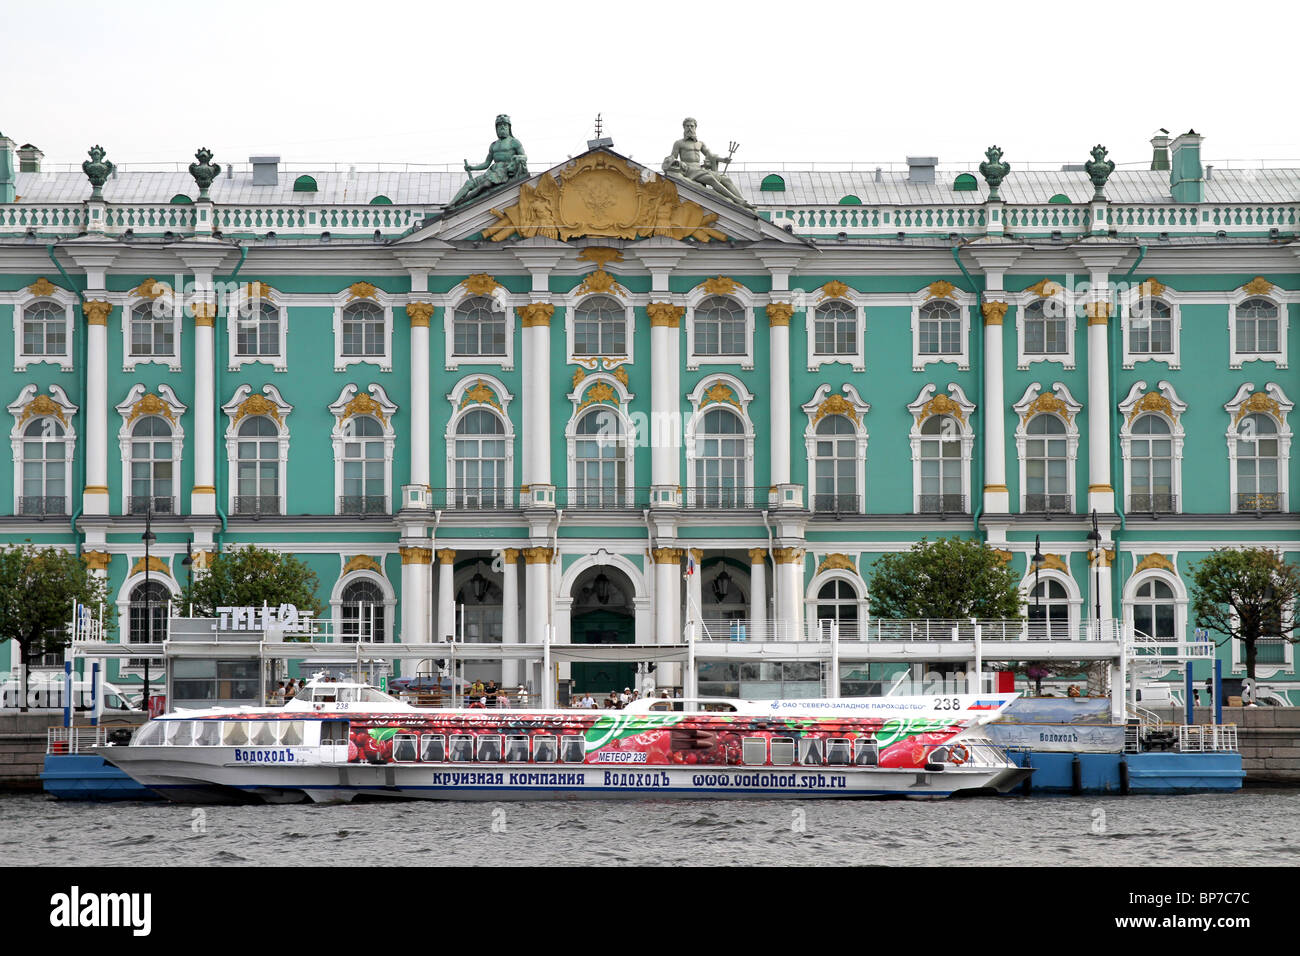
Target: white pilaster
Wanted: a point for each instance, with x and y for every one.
(415, 593)
(419, 314)
(510, 670)
(758, 594)
(446, 594)
(535, 319)
(788, 608)
(778, 315)
(203, 496)
(997, 498)
(537, 596)
(667, 597)
(665, 397)
(1101, 496)
(95, 495)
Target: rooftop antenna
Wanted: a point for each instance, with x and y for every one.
(600, 140)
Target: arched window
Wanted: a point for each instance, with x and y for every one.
(482, 600)
(600, 327)
(44, 468)
(1046, 465)
(719, 327)
(939, 329)
(1046, 329)
(259, 334)
(1151, 458)
(837, 601)
(481, 478)
(153, 330)
(1151, 328)
(363, 329)
(835, 329)
(148, 612)
(942, 466)
(1155, 610)
(835, 464)
(45, 329)
(1258, 326)
(1258, 487)
(478, 329)
(361, 612)
(257, 474)
(364, 464)
(1048, 609)
(600, 460)
(152, 480)
(720, 460)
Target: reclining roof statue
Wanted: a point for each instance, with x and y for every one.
(691, 160)
(505, 163)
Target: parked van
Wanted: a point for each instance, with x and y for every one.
(45, 691)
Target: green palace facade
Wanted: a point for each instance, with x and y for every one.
(616, 404)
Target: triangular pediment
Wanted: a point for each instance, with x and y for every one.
(602, 195)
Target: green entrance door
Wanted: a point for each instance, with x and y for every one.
(603, 627)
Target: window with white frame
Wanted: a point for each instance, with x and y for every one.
(153, 485)
(1151, 465)
(45, 461)
(942, 467)
(257, 468)
(153, 333)
(600, 327)
(45, 330)
(363, 330)
(258, 335)
(599, 460)
(480, 460)
(939, 329)
(1045, 328)
(721, 461)
(147, 610)
(835, 466)
(1155, 610)
(365, 468)
(1047, 460)
(478, 329)
(1257, 327)
(362, 611)
(835, 328)
(1049, 609)
(1258, 470)
(1151, 330)
(721, 327)
(838, 601)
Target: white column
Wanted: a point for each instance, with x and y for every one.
(997, 499)
(778, 316)
(95, 495)
(788, 609)
(1101, 495)
(758, 594)
(537, 609)
(203, 496)
(665, 397)
(536, 322)
(415, 594)
(446, 594)
(510, 670)
(667, 597)
(419, 313)
(695, 590)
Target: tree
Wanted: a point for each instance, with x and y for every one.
(1248, 594)
(251, 577)
(38, 587)
(947, 579)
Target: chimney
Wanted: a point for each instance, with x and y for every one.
(7, 192)
(266, 170)
(1186, 180)
(1160, 150)
(920, 169)
(29, 158)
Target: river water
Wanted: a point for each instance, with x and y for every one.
(1248, 828)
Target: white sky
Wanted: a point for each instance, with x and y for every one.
(792, 82)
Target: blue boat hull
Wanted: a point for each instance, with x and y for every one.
(1147, 772)
(87, 777)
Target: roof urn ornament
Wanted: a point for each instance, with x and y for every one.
(994, 171)
(97, 170)
(1099, 170)
(204, 171)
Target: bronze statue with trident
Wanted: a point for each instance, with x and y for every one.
(505, 163)
(692, 160)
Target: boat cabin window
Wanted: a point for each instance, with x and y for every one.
(516, 749)
(837, 751)
(810, 751)
(433, 748)
(404, 748)
(150, 735)
(209, 734)
(305, 695)
(662, 705)
(714, 707)
(489, 747)
(291, 733)
(334, 733)
(462, 748)
(234, 733)
(324, 695)
(782, 751)
(346, 695)
(573, 749)
(179, 733)
(262, 733)
(371, 696)
(753, 750)
(866, 753)
(544, 748)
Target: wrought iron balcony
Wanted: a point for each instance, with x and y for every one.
(942, 505)
(158, 504)
(1263, 502)
(474, 498)
(837, 504)
(1157, 503)
(726, 499)
(257, 505)
(363, 504)
(595, 498)
(42, 505)
(1048, 504)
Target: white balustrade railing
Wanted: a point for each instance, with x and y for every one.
(915, 631)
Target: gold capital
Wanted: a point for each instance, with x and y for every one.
(787, 555)
(994, 312)
(995, 488)
(538, 555)
(416, 555)
(535, 314)
(1097, 312)
(778, 313)
(96, 560)
(95, 490)
(697, 554)
(203, 490)
(205, 314)
(1099, 489)
(419, 313)
(446, 556)
(96, 311)
(757, 555)
(666, 555)
(665, 314)
(510, 555)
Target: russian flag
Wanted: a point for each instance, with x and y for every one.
(690, 564)
(985, 705)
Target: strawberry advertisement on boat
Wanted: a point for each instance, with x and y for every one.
(337, 742)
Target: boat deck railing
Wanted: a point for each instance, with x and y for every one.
(1207, 738)
(80, 740)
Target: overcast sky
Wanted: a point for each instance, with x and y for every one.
(791, 82)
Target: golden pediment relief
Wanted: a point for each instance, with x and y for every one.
(602, 195)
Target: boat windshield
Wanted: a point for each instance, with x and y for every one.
(343, 694)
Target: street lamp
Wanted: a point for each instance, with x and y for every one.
(147, 537)
(1094, 539)
(1037, 562)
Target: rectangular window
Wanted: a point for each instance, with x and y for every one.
(753, 751)
(433, 748)
(544, 750)
(782, 751)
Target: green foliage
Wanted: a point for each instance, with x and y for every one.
(946, 579)
(1247, 594)
(251, 577)
(37, 589)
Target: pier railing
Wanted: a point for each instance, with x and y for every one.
(910, 631)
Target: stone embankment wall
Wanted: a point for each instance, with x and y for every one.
(22, 745)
